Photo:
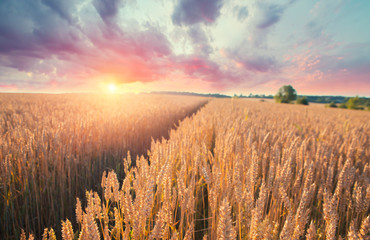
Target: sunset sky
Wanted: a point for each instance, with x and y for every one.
(227, 46)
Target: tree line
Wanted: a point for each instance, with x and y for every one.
(287, 94)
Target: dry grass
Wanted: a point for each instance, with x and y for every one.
(53, 147)
(242, 170)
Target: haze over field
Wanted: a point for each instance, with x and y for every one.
(319, 47)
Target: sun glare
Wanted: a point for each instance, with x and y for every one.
(112, 88)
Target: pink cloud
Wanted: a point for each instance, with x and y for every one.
(8, 87)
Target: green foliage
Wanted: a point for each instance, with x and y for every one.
(332, 105)
(302, 100)
(357, 103)
(286, 94)
(365, 102)
(327, 99)
(353, 103)
(342, 105)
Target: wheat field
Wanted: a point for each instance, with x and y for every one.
(53, 147)
(237, 169)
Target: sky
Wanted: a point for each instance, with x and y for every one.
(320, 47)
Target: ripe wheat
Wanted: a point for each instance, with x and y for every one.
(243, 170)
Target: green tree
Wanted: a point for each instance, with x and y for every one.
(286, 94)
(302, 100)
(353, 103)
(332, 105)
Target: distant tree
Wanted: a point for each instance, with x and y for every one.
(286, 94)
(302, 100)
(332, 105)
(353, 103)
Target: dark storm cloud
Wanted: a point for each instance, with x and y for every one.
(189, 12)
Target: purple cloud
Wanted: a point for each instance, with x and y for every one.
(259, 64)
(39, 38)
(200, 40)
(62, 8)
(34, 30)
(256, 63)
(107, 9)
(198, 67)
(189, 12)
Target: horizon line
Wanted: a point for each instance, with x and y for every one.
(181, 92)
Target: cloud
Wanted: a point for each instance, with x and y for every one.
(269, 15)
(199, 67)
(306, 61)
(322, 7)
(35, 30)
(199, 40)
(253, 61)
(241, 12)
(47, 41)
(68, 44)
(259, 18)
(41, 41)
(266, 14)
(202, 68)
(107, 9)
(62, 8)
(189, 12)
(259, 63)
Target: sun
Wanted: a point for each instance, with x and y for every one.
(112, 87)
